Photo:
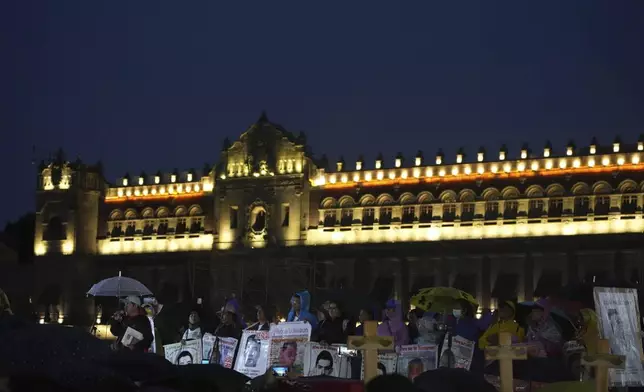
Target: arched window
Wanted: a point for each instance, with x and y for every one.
(55, 230)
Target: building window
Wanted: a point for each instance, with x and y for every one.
(491, 210)
(148, 229)
(55, 230)
(467, 212)
(510, 209)
(329, 218)
(535, 208)
(555, 207)
(286, 215)
(181, 226)
(130, 230)
(582, 204)
(385, 216)
(629, 204)
(163, 227)
(347, 217)
(368, 216)
(234, 217)
(117, 230)
(449, 212)
(195, 225)
(602, 205)
(426, 213)
(408, 215)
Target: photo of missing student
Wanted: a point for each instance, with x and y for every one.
(252, 358)
(619, 322)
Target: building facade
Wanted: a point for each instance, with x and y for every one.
(268, 219)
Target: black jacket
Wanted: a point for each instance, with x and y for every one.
(140, 323)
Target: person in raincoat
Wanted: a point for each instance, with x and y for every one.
(504, 323)
(393, 323)
(300, 309)
(543, 336)
(588, 333)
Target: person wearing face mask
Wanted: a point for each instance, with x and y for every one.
(462, 323)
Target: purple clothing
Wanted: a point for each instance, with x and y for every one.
(394, 326)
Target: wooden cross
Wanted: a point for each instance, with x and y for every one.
(602, 361)
(370, 343)
(505, 353)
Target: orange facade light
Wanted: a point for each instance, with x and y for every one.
(488, 176)
(122, 199)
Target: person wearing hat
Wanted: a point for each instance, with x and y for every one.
(229, 326)
(504, 323)
(133, 317)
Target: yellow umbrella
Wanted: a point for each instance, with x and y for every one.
(439, 299)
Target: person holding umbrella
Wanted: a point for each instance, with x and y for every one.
(133, 317)
(504, 323)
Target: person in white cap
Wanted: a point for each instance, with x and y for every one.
(133, 317)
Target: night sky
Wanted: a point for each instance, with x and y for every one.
(154, 85)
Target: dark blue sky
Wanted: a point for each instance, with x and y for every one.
(149, 85)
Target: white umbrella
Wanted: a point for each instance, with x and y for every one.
(119, 286)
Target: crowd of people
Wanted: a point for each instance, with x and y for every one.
(331, 324)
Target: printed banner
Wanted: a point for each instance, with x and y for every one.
(288, 344)
(227, 347)
(346, 356)
(252, 359)
(416, 359)
(462, 353)
(184, 354)
(208, 343)
(619, 322)
(386, 364)
(322, 360)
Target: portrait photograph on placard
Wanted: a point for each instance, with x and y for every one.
(252, 357)
(189, 353)
(387, 364)
(619, 322)
(322, 360)
(288, 345)
(416, 359)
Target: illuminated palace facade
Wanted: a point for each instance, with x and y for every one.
(268, 219)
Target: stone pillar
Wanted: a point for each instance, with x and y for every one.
(486, 289)
(572, 269)
(528, 277)
(479, 210)
(402, 283)
(615, 204)
(440, 272)
(619, 271)
(568, 205)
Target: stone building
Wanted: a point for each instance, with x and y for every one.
(268, 219)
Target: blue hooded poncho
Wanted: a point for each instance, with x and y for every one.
(305, 314)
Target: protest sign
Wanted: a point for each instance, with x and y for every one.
(417, 358)
(252, 359)
(462, 350)
(386, 364)
(227, 348)
(323, 360)
(287, 345)
(208, 343)
(184, 354)
(619, 323)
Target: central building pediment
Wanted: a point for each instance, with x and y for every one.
(264, 149)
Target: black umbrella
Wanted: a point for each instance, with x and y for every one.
(446, 379)
(210, 378)
(565, 324)
(66, 355)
